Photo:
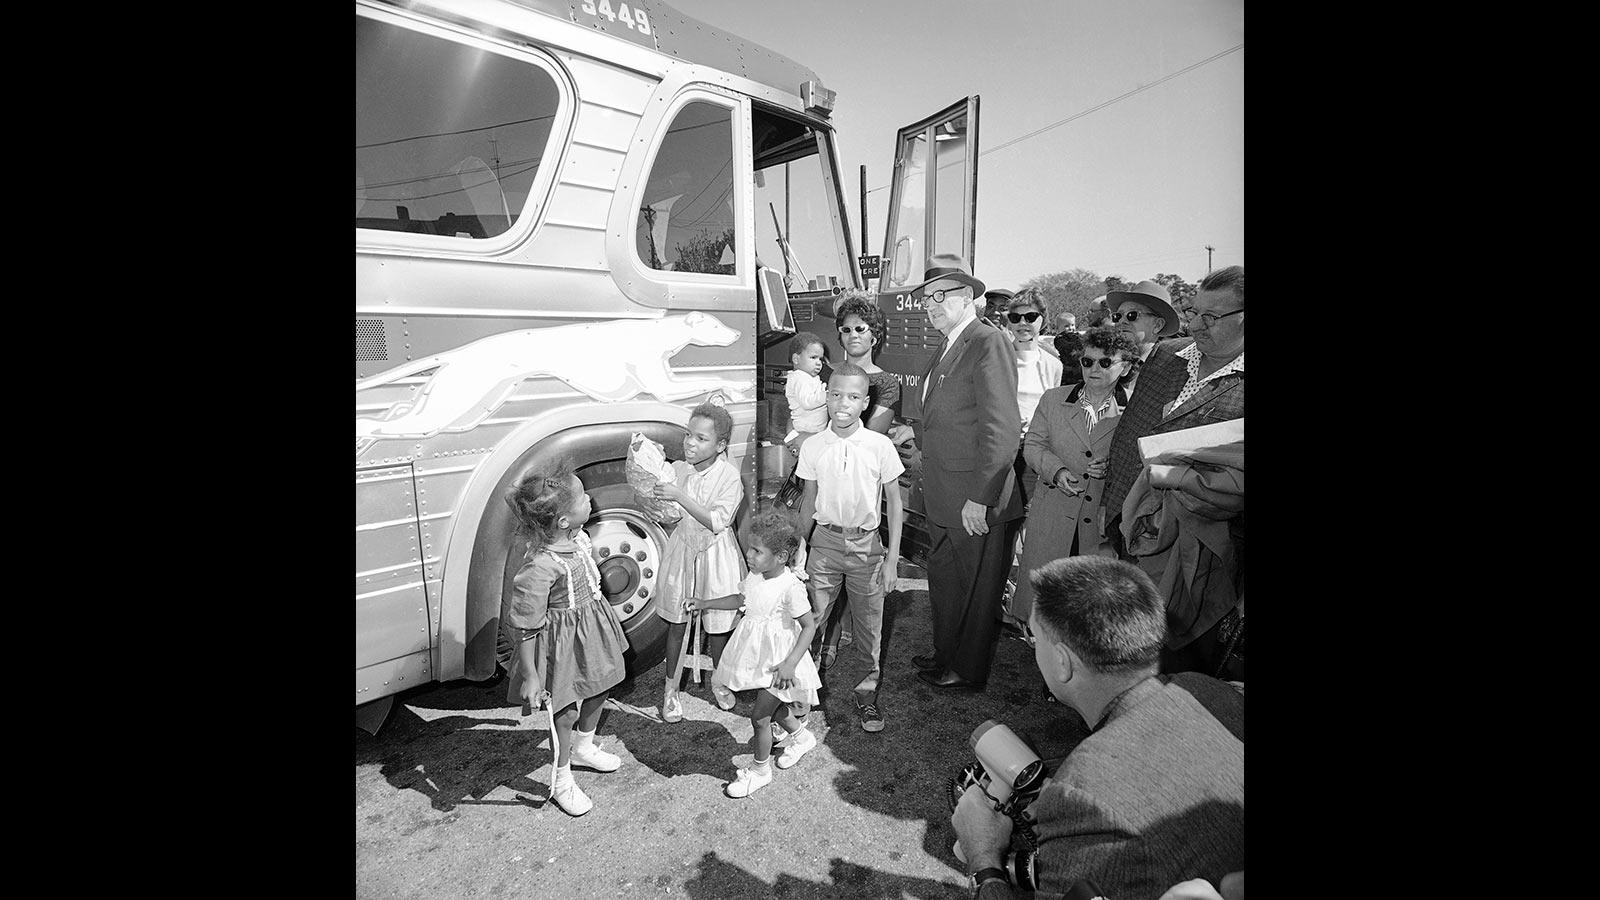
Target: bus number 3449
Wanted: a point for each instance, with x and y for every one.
(635, 19)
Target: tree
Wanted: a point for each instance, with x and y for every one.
(703, 253)
(1073, 290)
(1182, 291)
(1070, 291)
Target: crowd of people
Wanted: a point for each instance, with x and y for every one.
(1131, 574)
(1129, 585)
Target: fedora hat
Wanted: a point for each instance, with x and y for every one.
(948, 267)
(1153, 295)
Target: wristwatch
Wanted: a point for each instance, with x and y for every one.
(977, 879)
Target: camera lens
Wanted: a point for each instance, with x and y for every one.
(1029, 778)
(1020, 870)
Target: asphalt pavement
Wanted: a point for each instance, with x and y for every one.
(451, 795)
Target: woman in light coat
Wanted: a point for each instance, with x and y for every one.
(1067, 446)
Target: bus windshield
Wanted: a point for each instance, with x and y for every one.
(796, 200)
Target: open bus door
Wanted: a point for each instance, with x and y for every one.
(933, 206)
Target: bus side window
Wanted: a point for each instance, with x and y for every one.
(686, 222)
(448, 136)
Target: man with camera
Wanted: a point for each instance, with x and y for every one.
(1155, 794)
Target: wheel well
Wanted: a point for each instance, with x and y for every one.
(578, 447)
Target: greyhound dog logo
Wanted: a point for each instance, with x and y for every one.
(609, 361)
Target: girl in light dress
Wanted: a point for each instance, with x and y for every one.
(701, 561)
(768, 651)
(559, 639)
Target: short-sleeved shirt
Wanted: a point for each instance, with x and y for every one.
(849, 472)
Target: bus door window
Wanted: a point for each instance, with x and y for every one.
(798, 229)
(686, 221)
(907, 246)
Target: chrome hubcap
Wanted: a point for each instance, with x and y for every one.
(627, 549)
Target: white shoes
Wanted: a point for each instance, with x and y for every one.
(749, 781)
(567, 795)
(671, 707)
(586, 754)
(779, 735)
(724, 697)
(800, 743)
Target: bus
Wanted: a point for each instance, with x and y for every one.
(576, 221)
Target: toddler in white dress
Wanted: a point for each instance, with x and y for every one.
(768, 651)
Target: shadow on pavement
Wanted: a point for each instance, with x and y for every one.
(718, 879)
(452, 761)
(690, 747)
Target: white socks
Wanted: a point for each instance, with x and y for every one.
(586, 754)
(566, 793)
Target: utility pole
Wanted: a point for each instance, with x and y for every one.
(864, 217)
(1209, 248)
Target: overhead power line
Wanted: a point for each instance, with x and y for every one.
(418, 137)
(1117, 99)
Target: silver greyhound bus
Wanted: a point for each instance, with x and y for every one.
(575, 221)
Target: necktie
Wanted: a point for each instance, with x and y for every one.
(937, 360)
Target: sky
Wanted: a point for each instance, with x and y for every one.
(1133, 188)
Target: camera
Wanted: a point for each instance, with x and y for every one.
(1010, 774)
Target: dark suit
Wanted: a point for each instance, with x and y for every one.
(1153, 797)
(968, 439)
(1219, 400)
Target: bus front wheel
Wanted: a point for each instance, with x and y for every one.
(627, 544)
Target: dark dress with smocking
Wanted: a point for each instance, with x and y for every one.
(578, 641)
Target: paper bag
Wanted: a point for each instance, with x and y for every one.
(647, 466)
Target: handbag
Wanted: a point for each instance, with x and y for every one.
(792, 490)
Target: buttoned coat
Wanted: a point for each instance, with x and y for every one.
(968, 431)
(1059, 437)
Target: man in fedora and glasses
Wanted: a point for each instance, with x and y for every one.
(1186, 383)
(1145, 314)
(967, 435)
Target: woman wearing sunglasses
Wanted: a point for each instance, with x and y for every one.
(1037, 371)
(862, 327)
(1067, 446)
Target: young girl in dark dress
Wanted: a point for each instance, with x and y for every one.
(559, 639)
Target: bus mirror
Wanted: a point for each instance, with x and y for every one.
(774, 319)
(902, 260)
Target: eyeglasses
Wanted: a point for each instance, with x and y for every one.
(1027, 635)
(1131, 315)
(1209, 318)
(853, 329)
(939, 296)
(1105, 362)
(1022, 317)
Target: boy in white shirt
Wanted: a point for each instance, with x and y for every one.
(808, 413)
(846, 469)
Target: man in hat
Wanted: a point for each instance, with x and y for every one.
(996, 301)
(1145, 314)
(968, 436)
(1186, 383)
